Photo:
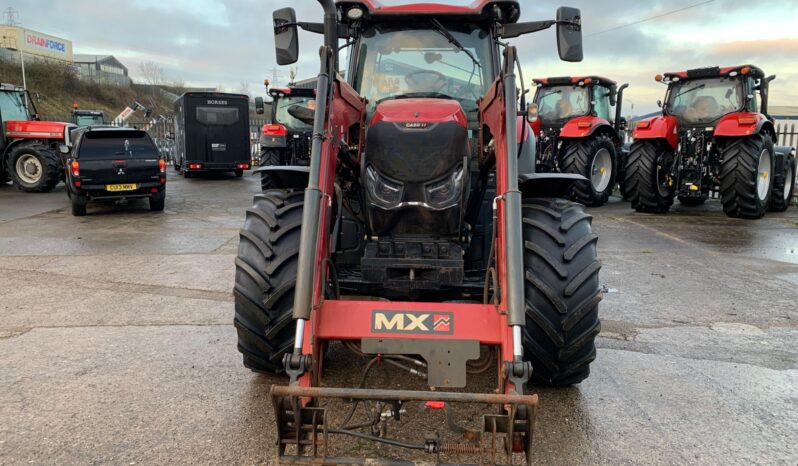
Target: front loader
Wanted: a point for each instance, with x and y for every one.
(420, 238)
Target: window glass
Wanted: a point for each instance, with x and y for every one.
(557, 103)
(281, 114)
(217, 116)
(12, 106)
(102, 145)
(704, 100)
(601, 99)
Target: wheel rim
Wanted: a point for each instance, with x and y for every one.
(29, 168)
(789, 179)
(763, 175)
(601, 170)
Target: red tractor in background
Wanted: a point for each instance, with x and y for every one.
(28, 147)
(420, 238)
(713, 134)
(286, 139)
(579, 133)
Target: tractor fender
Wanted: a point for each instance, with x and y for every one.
(586, 126)
(278, 142)
(660, 127)
(547, 184)
(288, 176)
(526, 144)
(744, 124)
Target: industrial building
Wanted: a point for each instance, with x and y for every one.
(104, 69)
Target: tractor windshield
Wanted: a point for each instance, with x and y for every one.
(281, 114)
(12, 106)
(558, 103)
(704, 100)
(89, 120)
(420, 61)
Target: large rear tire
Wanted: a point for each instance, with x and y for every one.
(561, 292)
(746, 178)
(269, 158)
(266, 268)
(595, 159)
(647, 184)
(784, 189)
(34, 167)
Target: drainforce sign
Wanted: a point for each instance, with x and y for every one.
(35, 43)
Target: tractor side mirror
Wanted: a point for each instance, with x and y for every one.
(624, 123)
(569, 34)
(659, 103)
(259, 105)
(286, 36)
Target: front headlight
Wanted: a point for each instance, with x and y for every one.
(446, 193)
(384, 193)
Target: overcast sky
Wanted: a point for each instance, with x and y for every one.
(208, 43)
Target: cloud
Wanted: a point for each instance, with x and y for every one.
(208, 42)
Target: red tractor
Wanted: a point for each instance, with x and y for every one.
(419, 237)
(28, 147)
(713, 134)
(579, 133)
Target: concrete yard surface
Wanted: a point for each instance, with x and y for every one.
(117, 344)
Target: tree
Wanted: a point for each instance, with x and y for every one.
(152, 73)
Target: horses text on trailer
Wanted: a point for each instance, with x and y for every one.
(212, 133)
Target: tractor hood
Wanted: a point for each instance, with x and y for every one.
(419, 113)
(35, 129)
(415, 159)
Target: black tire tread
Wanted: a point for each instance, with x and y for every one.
(738, 176)
(778, 203)
(268, 158)
(265, 279)
(50, 163)
(562, 291)
(640, 182)
(577, 158)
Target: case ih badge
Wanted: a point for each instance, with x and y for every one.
(439, 323)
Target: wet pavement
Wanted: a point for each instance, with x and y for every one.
(116, 343)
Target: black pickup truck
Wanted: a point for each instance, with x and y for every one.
(113, 163)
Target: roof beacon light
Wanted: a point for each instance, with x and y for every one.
(354, 13)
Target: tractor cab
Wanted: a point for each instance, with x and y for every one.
(703, 96)
(15, 104)
(87, 118)
(579, 127)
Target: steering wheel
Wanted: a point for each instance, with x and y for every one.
(438, 84)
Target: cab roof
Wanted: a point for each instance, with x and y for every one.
(477, 10)
(713, 72)
(560, 80)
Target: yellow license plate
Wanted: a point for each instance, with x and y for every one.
(121, 187)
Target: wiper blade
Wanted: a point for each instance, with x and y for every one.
(453, 40)
(700, 86)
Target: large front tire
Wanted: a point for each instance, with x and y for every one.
(561, 292)
(595, 159)
(746, 176)
(647, 184)
(266, 268)
(34, 168)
